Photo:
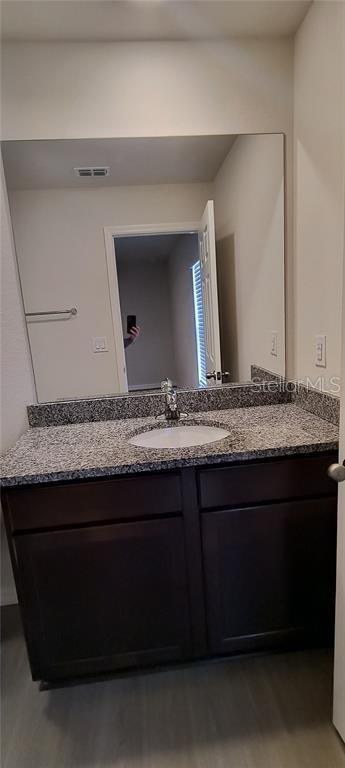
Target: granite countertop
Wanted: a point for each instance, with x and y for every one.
(99, 449)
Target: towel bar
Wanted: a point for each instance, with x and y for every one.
(72, 311)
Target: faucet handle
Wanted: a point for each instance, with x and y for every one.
(166, 385)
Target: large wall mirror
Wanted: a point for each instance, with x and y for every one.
(147, 258)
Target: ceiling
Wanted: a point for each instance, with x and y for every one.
(148, 247)
(128, 20)
(166, 160)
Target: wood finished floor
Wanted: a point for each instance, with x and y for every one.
(267, 712)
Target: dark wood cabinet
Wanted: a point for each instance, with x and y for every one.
(152, 568)
(261, 481)
(79, 503)
(270, 575)
(104, 597)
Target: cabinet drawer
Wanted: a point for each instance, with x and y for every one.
(265, 481)
(77, 503)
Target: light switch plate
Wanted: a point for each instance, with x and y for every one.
(320, 351)
(99, 344)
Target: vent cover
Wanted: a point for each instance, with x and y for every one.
(89, 171)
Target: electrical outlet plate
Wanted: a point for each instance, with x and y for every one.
(320, 351)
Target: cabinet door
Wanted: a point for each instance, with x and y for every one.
(104, 597)
(270, 575)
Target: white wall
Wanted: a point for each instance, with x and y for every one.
(182, 258)
(319, 137)
(150, 89)
(249, 216)
(144, 291)
(17, 385)
(61, 254)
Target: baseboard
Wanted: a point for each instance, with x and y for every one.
(8, 596)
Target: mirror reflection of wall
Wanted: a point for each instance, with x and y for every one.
(249, 213)
(61, 221)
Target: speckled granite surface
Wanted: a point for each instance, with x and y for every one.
(101, 448)
(322, 404)
(258, 374)
(138, 405)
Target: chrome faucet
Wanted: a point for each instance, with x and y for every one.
(172, 412)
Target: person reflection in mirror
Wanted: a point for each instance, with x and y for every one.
(133, 336)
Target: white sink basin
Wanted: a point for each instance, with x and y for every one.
(181, 436)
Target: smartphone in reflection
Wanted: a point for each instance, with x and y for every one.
(131, 322)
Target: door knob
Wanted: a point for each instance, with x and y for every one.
(337, 472)
(212, 375)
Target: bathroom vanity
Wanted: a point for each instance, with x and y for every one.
(125, 558)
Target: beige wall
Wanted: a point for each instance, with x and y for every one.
(17, 385)
(249, 214)
(319, 137)
(61, 254)
(146, 89)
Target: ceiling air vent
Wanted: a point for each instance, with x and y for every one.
(92, 171)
